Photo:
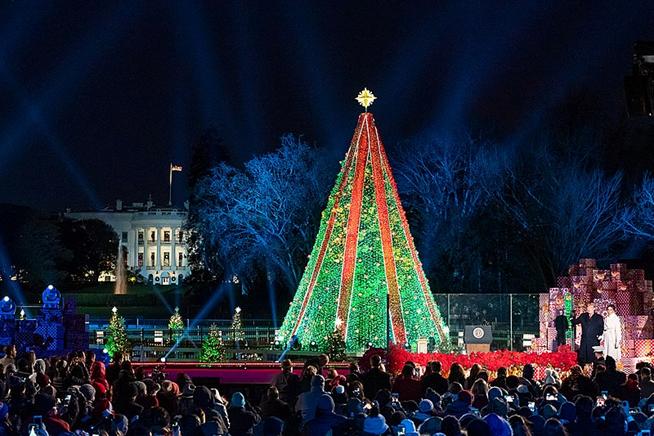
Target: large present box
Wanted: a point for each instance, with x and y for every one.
(623, 297)
(643, 347)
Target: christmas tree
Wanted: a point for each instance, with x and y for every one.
(336, 346)
(176, 324)
(213, 348)
(237, 328)
(117, 335)
(364, 277)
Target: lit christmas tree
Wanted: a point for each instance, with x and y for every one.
(176, 324)
(117, 335)
(237, 328)
(213, 348)
(364, 269)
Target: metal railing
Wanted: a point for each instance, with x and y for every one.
(510, 315)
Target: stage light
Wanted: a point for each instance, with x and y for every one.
(163, 360)
(5, 299)
(369, 344)
(105, 351)
(50, 287)
(238, 309)
(114, 309)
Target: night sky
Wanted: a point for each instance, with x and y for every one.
(96, 98)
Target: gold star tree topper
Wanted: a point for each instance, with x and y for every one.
(365, 98)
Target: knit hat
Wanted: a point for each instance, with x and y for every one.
(426, 406)
(100, 389)
(88, 391)
(326, 403)
(549, 411)
(375, 425)
(42, 380)
(409, 428)
(498, 425)
(238, 400)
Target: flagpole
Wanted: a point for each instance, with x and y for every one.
(170, 185)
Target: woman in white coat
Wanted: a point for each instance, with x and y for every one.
(612, 334)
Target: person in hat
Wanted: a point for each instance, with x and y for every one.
(45, 406)
(425, 411)
(308, 401)
(375, 423)
(242, 417)
(592, 327)
(287, 383)
(168, 396)
(185, 403)
(409, 427)
(326, 420)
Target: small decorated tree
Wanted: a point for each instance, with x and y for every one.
(117, 335)
(176, 324)
(237, 328)
(336, 346)
(213, 348)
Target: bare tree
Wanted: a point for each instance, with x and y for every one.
(265, 214)
(638, 218)
(446, 186)
(563, 210)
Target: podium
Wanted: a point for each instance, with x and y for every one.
(477, 338)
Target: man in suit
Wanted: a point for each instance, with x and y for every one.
(592, 327)
(561, 325)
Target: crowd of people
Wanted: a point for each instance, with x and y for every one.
(79, 395)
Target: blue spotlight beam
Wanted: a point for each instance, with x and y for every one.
(75, 66)
(217, 295)
(37, 119)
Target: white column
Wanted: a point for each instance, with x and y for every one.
(173, 259)
(158, 259)
(146, 254)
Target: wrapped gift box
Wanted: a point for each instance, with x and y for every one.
(644, 347)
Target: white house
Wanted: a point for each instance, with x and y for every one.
(151, 238)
